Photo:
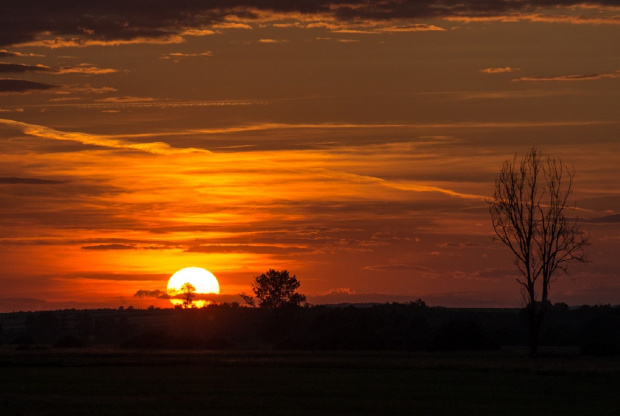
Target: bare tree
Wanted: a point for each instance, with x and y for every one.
(189, 292)
(274, 290)
(528, 212)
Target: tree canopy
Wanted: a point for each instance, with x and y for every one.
(275, 289)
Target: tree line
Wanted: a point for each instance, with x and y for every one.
(395, 327)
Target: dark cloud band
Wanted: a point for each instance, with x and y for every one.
(25, 21)
(20, 85)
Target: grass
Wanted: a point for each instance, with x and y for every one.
(95, 382)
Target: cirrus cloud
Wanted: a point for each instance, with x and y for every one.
(571, 78)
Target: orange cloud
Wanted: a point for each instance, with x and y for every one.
(232, 25)
(572, 78)
(85, 69)
(60, 42)
(93, 139)
(273, 41)
(178, 56)
(501, 70)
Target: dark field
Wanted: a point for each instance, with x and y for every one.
(506, 382)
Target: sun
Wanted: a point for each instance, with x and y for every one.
(202, 280)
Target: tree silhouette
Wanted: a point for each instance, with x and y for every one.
(528, 212)
(275, 289)
(189, 292)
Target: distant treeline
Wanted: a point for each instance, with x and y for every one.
(412, 326)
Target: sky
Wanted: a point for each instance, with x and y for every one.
(353, 143)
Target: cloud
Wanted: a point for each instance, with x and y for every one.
(20, 85)
(272, 41)
(232, 25)
(501, 70)
(607, 219)
(157, 293)
(125, 99)
(242, 248)
(160, 294)
(80, 69)
(178, 56)
(86, 89)
(572, 78)
(197, 32)
(412, 28)
(109, 247)
(398, 268)
(389, 29)
(483, 275)
(10, 54)
(84, 69)
(116, 277)
(98, 140)
(79, 24)
(337, 39)
(21, 68)
(81, 43)
(28, 181)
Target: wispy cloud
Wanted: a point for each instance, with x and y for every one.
(79, 69)
(60, 42)
(500, 70)
(125, 100)
(84, 89)
(273, 41)
(28, 181)
(571, 78)
(12, 54)
(232, 25)
(388, 29)
(109, 247)
(84, 69)
(398, 268)
(179, 56)
(97, 140)
(246, 248)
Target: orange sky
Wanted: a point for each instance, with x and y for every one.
(352, 143)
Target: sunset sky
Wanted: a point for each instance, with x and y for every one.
(352, 143)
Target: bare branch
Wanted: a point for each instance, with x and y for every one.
(528, 213)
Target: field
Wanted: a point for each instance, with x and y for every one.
(113, 382)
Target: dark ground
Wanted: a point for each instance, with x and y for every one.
(114, 382)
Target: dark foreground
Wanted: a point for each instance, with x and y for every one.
(507, 382)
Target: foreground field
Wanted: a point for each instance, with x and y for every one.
(95, 382)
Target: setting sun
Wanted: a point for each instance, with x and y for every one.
(203, 281)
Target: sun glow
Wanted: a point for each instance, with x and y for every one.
(202, 281)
